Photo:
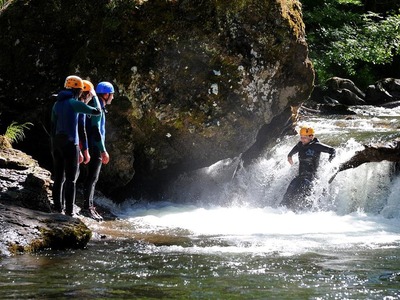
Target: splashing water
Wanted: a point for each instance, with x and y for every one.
(223, 238)
(358, 209)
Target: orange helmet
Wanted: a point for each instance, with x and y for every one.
(307, 131)
(73, 82)
(87, 86)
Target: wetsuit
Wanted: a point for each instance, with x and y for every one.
(309, 156)
(83, 142)
(95, 129)
(65, 147)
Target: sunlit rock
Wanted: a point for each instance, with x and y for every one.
(197, 81)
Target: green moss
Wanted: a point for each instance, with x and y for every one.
(291, 11)
(16, 248)
(75, 236)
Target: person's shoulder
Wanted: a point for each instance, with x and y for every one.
(64, 95)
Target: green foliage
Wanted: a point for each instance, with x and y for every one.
(376, 42)
(15, 132)
(346, 41)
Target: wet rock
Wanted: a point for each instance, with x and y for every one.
(23, 182)
(338, 90)
(339, 84)
(384, 92)
(26, 221)
(27, 230)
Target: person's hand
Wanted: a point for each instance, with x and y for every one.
(96, 111)
(86, 156)
(332, 156)
(93, 93)
(105, 158)
(80, 157)
(290, 160)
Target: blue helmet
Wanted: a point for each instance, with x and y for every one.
(104, 87)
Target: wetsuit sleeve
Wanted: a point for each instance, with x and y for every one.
(294, 150)
(95, 131)
(327, 149)
(83, 108)
(83, 142)
(53, 122)
(96, 134)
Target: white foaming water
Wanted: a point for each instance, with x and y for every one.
(262, 230)
(360, 209)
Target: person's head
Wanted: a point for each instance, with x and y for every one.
(105, 91)
(87, 91)
(306, 135)
(75, 84)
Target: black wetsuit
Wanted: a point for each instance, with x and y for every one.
(96, 132)
(309, 155)
(65, 148)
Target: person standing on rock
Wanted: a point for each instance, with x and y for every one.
(88, 93)
(96, 131)
(309, 150)
(65, 142)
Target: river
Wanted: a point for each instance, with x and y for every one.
(219, 236)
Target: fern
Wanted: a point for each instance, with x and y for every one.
(15, 132)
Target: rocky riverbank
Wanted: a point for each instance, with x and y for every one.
(27, 223)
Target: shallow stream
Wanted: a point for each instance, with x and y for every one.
(223, 238)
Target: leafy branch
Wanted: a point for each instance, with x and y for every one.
(376, 42)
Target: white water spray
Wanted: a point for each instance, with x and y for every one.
(359, 209)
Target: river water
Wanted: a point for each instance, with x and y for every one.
(220, 236)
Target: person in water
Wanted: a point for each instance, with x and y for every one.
(96, 137)
(65, 142)
(309, 151)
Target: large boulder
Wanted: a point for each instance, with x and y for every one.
(26, 221)
(384, 91)
(196, 80)
(339, 90)
(26, 230)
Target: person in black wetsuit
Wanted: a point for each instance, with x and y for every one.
(65, 142)
(309, 150)
(96, 132)
(87, 94)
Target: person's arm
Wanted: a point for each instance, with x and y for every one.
(83, 141)
(327, 149)
(98, 139)
(95, 124)
(83, 108)
(292, 152)
(53, 127)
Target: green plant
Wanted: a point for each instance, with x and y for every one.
(355, 39)
(15, 132)
(376, 42)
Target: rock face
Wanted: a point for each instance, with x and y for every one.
(196, 80)
(26, 223)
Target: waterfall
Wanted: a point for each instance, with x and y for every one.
(370, 188)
